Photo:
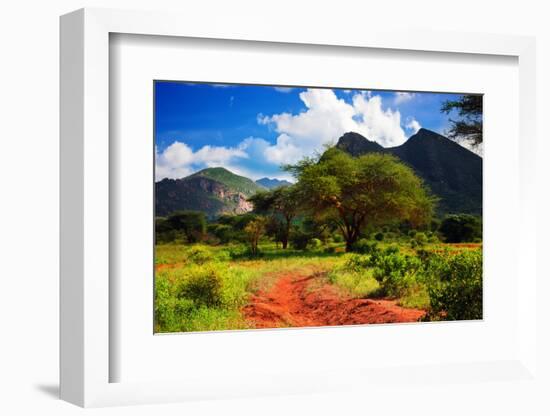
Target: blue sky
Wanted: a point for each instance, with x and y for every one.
(252, 130)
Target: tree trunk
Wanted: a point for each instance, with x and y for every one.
(351, 239)
(286, 235)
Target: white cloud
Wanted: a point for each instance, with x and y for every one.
(376, 123)
(403, 97)
(413, 125)
(470, 145)
(283, 89)
(285, 151)
(326, 118)
(178, 160)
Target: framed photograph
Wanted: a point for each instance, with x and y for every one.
(273, 214)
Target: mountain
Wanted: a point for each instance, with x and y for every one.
(272, 183)
(356, 144)
(214, 191)
(453, 173)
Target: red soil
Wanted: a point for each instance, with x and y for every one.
(297, 300)
(162, 266)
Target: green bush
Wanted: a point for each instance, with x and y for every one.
(395, 272)
(299, 240)
(203, 286)
(315, 244)
(420, 239)
(199, 255)
(460, 228)
(455, 285)
(364, 246)
(338, 238)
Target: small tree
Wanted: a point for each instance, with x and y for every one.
(372, 190)
(282, 205)
(254, 231)
(191, 223)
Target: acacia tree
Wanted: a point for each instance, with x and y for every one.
(282, 204)
(191, 223)
(372, 190)
(470, 111)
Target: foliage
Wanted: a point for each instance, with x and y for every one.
(238, 183)
(199, 254)
(224, 233)
(164, 233)
(455, 285)
(470, 124)
(364, 246)
(374, 189)
(460, 228)
(282, 205)
(314, 244)
(299, 239)
(191, 223)
(379, 236)
(203, 286)
(254, 231)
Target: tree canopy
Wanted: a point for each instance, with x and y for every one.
(353, 193)
(191, 223)
(282, 204)
(470, 111)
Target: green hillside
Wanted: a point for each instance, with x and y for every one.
(235, 182)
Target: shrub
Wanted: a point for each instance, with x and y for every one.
(379, 236)
(395, 272)
(364, 246)
(455, 285)
(299, 239)
(315, 243)
(203, 286)
(420, 239)
(460, 228)
(433, 239)
(338, 238)
(199, 254)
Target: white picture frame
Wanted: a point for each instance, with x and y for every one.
(85, 354)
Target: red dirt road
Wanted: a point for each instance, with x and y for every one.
(297, 301)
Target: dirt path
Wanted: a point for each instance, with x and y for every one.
(298, 300)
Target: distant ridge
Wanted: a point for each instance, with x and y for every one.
(270, 183)
(452, 172)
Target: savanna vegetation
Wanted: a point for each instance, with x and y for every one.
(349, 230)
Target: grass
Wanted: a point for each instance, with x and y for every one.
(360, 284)
(202, 287)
